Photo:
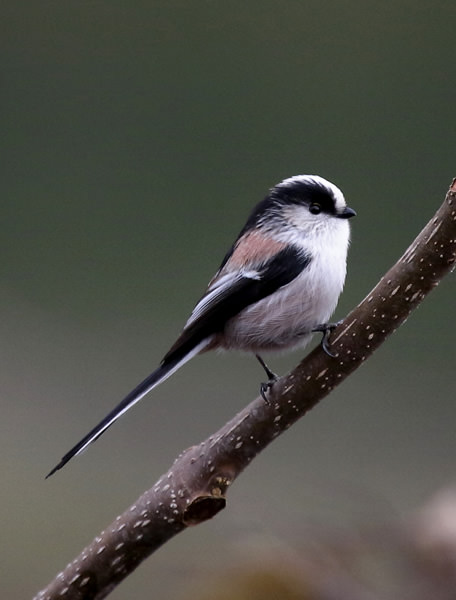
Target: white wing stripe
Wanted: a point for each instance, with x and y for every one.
(218, 289)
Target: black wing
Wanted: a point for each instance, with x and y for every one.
(233, 292)
(225, 298)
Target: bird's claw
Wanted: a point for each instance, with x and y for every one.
(326, 329)
(265, 387)
(272, 378)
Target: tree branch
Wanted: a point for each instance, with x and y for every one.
(194, 488)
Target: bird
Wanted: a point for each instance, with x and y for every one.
(278, 284)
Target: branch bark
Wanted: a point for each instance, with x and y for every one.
(194, 489)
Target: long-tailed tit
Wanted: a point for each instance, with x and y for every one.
(278, 283)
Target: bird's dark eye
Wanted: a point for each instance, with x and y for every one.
(315, 208)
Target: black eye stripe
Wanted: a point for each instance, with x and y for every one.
(307, 194)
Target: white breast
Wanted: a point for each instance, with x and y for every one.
(286, 318)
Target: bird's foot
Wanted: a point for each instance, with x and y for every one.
(326, 329)
(272, 378)
(265, 387)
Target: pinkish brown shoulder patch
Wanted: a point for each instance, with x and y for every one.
(253, 249)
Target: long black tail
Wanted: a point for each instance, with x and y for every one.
(167, 368)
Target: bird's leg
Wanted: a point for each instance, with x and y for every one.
(272, 378)
(271, 375)
(326, 329)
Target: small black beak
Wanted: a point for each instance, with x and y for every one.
(347, 213)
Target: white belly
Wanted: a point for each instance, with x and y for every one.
(285, 319)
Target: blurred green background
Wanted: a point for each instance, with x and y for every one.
(136, 137)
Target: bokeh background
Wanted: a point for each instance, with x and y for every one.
(136, 137)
